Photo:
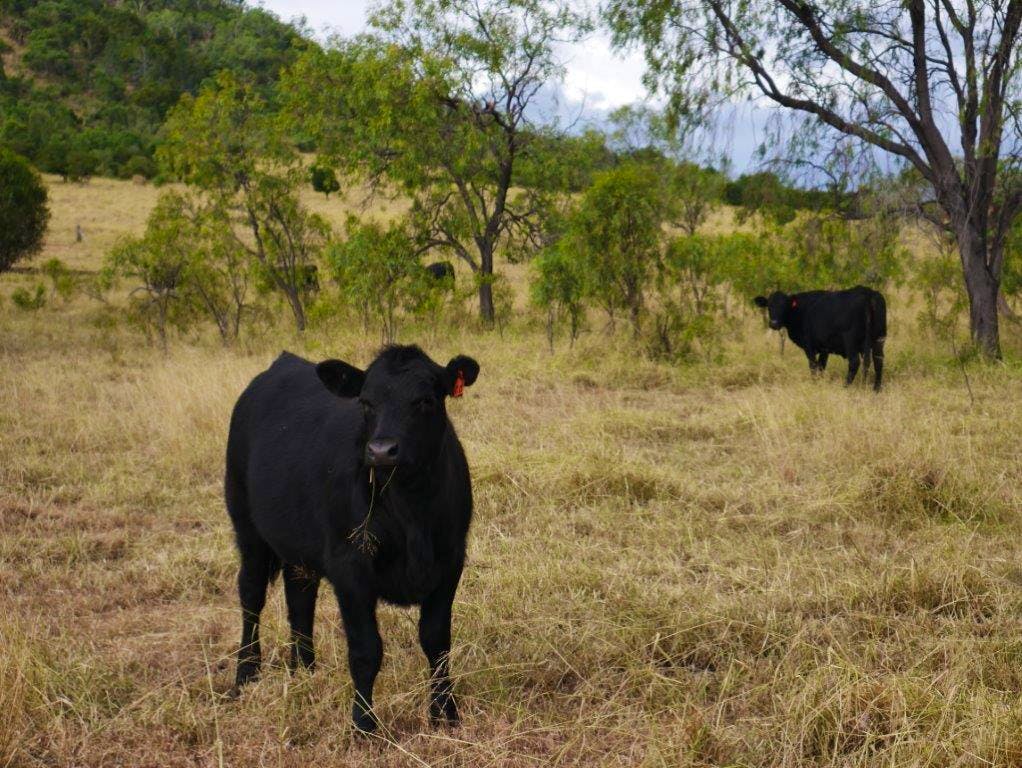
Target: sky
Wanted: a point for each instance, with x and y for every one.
(597, 80)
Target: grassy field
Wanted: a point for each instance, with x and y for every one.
(719, 564)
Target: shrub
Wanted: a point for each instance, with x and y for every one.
(24, 213)
(376, 269)
(617, 231)
(324, 179)
(62, 280)
(559, 287)
(29, 300)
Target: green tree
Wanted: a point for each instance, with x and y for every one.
(24, 213)
(559, 288)
(883, 73)
(693, 194)
(437, 103)
(618, 231)
(156, 264)
(376, 268)
(227, 144)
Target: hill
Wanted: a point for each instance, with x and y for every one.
(85, 84)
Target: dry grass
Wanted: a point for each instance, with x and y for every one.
(720, 564)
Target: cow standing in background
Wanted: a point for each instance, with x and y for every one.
(440, 270)
(850, 323)
(357, 476)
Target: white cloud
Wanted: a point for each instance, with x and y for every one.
(595, 75)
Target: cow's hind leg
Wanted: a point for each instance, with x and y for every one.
(301, 587)
(878, 360)
(821, 361)
(435, 637)
(258, 567)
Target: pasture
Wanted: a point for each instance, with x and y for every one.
(721, 563)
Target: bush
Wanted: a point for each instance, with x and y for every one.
(30, 300)
(62, 280)
(559, 287)
(139, 165)
(376, 269)
(24, 213)
(617, 231)
(324, 179)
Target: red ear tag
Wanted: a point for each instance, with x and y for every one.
(794, 302)
(459, 385)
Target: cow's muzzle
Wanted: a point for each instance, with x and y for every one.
(775, 325)
(382, 453)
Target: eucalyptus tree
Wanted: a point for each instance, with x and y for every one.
(934, 83)
(441, 101)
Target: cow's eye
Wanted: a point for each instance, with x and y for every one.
(367, 407)
(425, 403)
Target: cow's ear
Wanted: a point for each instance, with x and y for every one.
(340, 378)
(461, 372)
(760, 301)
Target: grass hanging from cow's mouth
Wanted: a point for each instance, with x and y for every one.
(360, 535)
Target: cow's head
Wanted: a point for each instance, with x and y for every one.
(778, 305)
(403, 395)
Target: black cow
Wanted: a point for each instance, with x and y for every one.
(441, 270)
(359, 477)
(849, 323)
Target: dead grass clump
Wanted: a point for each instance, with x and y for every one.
(16, 694)
(583, 488)
(960, 592)
(839, 712)
(912, 490)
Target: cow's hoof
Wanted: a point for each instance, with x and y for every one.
(365, 722)
(248, 672)
(445, 713)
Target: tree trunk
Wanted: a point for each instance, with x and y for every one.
(297, 309)
(983, 289)
(486, 311)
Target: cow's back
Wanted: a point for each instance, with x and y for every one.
(291, 452)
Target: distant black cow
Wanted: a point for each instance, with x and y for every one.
(441, 270)
(849, 323)
(307, 277)
(359, 477)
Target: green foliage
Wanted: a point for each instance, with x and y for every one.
(29, 300)
(378, 271)
(832, 252)
(435, 104)
(24, 213)
(693, 193)
(559, 287)
(324, 179)
(62, 280)
(938, 278)
(225, 143)
(617, 231)
(156, 264)
(101, 76)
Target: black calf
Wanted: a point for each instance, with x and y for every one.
(358, 477)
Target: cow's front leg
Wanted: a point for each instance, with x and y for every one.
(853, 367)
(435, 637)
(365, 652)
(811, 356)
